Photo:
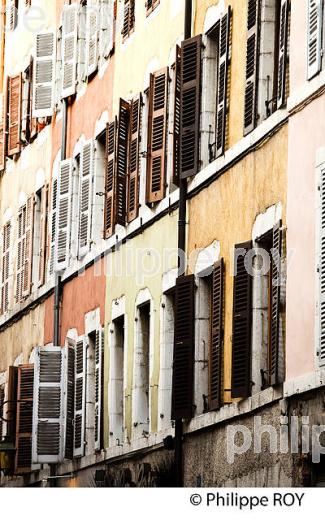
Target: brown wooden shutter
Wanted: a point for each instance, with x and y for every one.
(241, 335)
(215, 361)
(157, 133)
(2, 131)
(109, 224)
(134, 163)
(184, 346)
(14, 93)
(252, 60)
(4, 281)
(177, 119)
(43, 237)
(28, 256)
(24, 430)
(11, 399)
(190, 105)
(222, 83)
(151, 5)
(129, 18)
(275, 305)
(283, 52)
(122, 161)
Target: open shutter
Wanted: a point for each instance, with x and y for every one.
(43, 237)
(11, 412)
(11, 15)
(2, 400)
(86, 199)
(110, 180)
(62, 243)
(69, 402)
(321, 268)
(5, 268)
(314, 38)
(28, 256)
(49, 405)
(134, 163)
(106, 28)
(53, 222)
(129, 18)
(184, 345)
(99, 360)
(91, 39)
(157, 133)
(21, 245)
(215, 362)
(69, 49)
(24, 428)
(177, 119)
(122, 161)
(283, 53)
(222, 83)
(14, 116)
(241, 334)
(44, 74)
(190, 105)
(252, 61)
(32, 121)
(80, 397)
(275, 304)
(2, 132)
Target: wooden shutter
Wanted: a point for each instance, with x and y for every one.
(215, 361)
(122, 161)
(190, 105)
(24, 427)
(14, 116)
(157, 135)
(80, 397)
(11, 412)
(21, 247)
(241, 334)
(11, 15)
(49, 405)
(69, 49)
(129, 18)
(222, 83)
(321, 268)
(252, 60)
(28, 256)
(150, 5)
(2, 413)
(314, 38)
(5, 268)
(32, 121)
(283, 52)
(91, 39)
(86, 198)
(177, 119)
(62, 243)
(2, 132)
(134, 162)
(99, 387)
(43, 237)
(44, 75)
(54, 206)
(106, 38)
(110, 181)
(275, 304)
(69, 386)
(184, 346)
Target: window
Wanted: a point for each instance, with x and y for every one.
(141, 390)
(5, 268)
(129, 18)
(44, 75)
(117, 382)
(24, 265)
(151, 5)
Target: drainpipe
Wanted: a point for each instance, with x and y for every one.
(181, 270)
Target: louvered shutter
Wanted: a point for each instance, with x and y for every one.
(314, 37)
(184, 346)
(69, 49)
(177, 119)
(321, 269)
(252, 61)
(49, 405)
(283, 53)
(14, 116)
(91, 39)
(28, 256)
(11, 15)
(69, 403)
(157, 136)
(21, 247)
(215, 361)
(32, 121)
(2, 132)
(44, 75)
(106, 28)
(134, 163)
(110, 181)
(150, 5)
(129, 17)
(190, 105)
(54, 206)
(222, 83)
(122, 161)
(5, 268)
(62, 244)
(43, 235)
(80, 398)
(275, 304)
(241, 334)
(24, 428)
(2, 400)
(11, 398)
(99, 360)
(86, 199)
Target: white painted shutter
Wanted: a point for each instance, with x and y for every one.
(314, 35)
(69, 49)
(91, 39)
(11, 15)
(49, 408)
(80, 398)
(106, 41)
(53, 224)
(99, 359)
(44, 74)
(85, 202)
(62, 246)
(321, 266)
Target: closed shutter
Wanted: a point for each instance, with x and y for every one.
(86, 199)
(62, 244)
(283, 53)
(99, 360)
(157, 135)
(222, 83)
(184, 346)
(28, 256)
(91, 39)
(177, 119)
(44, 75)
(53, 224)
(49, 405)
(314, 37)
(2, 400)
(2, 132)
(275, 305)
(122, 161)
(24, 428)
(14, 116)
(321, 268)
(11, 412)
(134, 162)
(190, 105)
(43, 237)
(5, 268)
(252, 61)
(215, 361)
(69, 49)
(80, 398)
(241, 334)
(110, 181)
(21, 248)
